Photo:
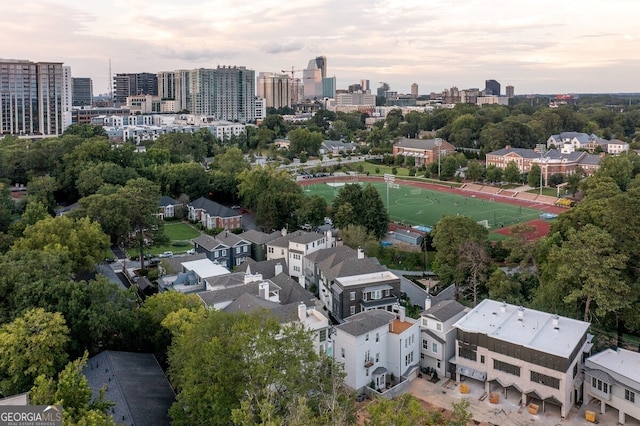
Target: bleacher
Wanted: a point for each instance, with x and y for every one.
(547, 199)
(526, 196)
(473, 187)
(508, 193)
(490, 190)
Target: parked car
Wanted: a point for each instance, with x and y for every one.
(166, 254)
(191, 251)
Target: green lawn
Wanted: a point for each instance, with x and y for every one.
(176, 231)
(418, 206)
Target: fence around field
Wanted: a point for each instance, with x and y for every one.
(419, 206)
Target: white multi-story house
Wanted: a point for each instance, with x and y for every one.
(373, 345)
(292, 247)
(510, 348)
(438, 335)
(613, 378)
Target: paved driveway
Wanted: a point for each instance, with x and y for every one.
(505, 412)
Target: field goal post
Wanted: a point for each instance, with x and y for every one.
(484, 222)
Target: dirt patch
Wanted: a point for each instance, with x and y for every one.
(542, 229)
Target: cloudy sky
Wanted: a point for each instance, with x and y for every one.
(538, 46)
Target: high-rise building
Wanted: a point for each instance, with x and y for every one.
(364, 84)
(202, 83)
(182, 90)
(133, 84)
(166, 85)
(329, 87)
(312, 77)
(384, 87)
(82, 91)
(275, 89)
(509, 91)
(235, 94)
(34, 97)
(491, 87)
(414, 90)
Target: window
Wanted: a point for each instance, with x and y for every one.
(377, 294)
(506, 367)
(352, 295)
(352, 309)
(434, 347)
(238, 250)
(377, 337)
(224, 252)
(467, 353)
(342, 352)
(323, 335)
(543, 379)
(439, 326)
(245, 249)
(424, 322)
(296, 269)
(366, 337)
(425, 344)
(366, 372)
(482, 359)
(629, 396)
(377, 356)
(438, 362)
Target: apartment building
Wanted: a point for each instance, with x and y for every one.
(513, 349)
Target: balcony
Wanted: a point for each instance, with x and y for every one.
(368, 362)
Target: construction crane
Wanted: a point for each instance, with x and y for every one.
(292, 71)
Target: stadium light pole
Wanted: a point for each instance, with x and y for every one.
(541, 149)
(439, 145)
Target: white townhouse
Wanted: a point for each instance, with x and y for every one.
(373, 345)
(294, 246)
(613, 378)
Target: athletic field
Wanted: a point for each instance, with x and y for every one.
(418, 206)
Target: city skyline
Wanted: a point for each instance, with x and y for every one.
(547, 47)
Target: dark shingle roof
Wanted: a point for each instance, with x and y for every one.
(213, 208)
(266, 268)
(175, 263)
(211, 297)
(208, 242)
(258, 237)
(247, 303)
(354, 267)
(291, 291)
(445, 310)
(364, 322)
(231, 239)
(301, 237)
(165, 201)
(135, 383)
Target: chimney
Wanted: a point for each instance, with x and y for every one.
(329, 238)
(555, 322)
(284, 232)
(520, 313)
(250, 278)
(263, 290)
(427, 303)
(400, 312)
(302, 311)
(360, 253)
(278, 269)
(503, 308)
(507, 147)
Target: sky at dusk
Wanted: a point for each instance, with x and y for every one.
(541, 46)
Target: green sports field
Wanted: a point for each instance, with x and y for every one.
(419, 206)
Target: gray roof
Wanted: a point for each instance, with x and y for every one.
(266, 268)
(581, 137)
(213, 208)
(258, 237)
(211, 297)
(175, 263)
(444, 310)
(247, 303)
(231, 239)
(590, 159)
(135, 383)
(522, 152)
(165, 201)
(331, 256)
(354, 267)
(291, 291)
(301, 237)
(227, 280)
(364, 322)
(208, 242)
(420, 143)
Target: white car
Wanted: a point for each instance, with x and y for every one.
(191, 251)
(166, 254)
